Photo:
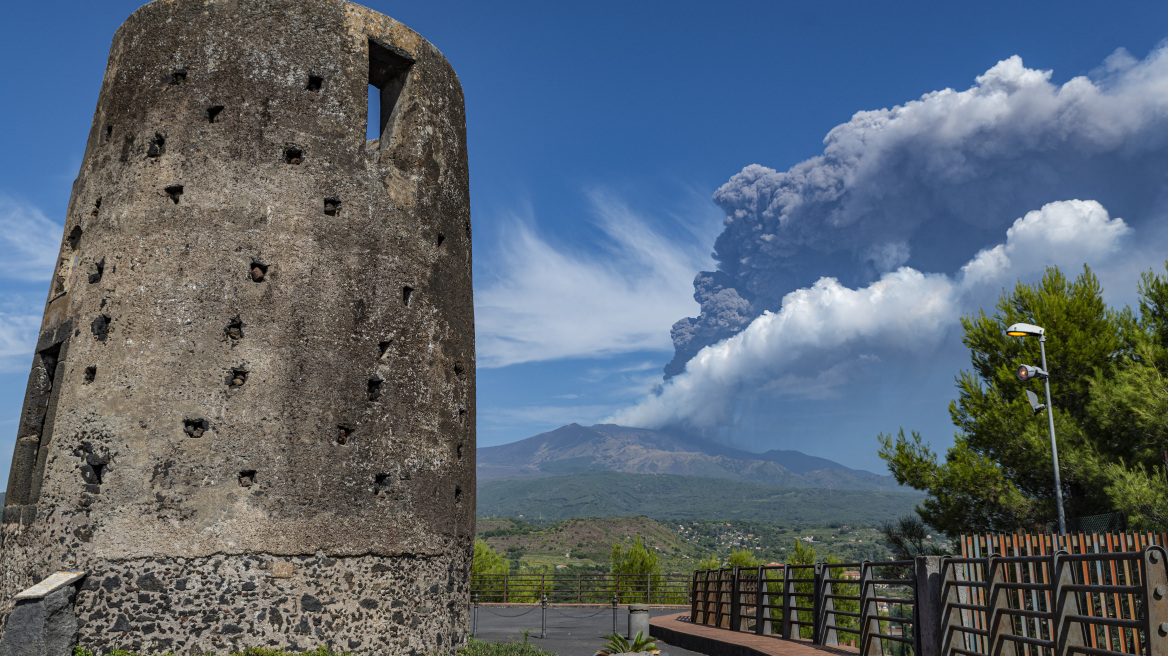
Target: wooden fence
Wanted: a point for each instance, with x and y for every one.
(1011, 596)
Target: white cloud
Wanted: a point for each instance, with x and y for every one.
(545, 301)
(29, 243)
(806, 347)
(28, 240)
(18, 335)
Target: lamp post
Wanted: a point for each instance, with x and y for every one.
(1026, 373)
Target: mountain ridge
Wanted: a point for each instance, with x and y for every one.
(574, 449)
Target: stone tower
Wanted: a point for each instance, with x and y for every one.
(250, 415)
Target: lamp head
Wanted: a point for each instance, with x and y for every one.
(1026, 373)
(1025, 330)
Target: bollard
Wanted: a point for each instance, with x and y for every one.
(638, 620)
(614, 603)
(474, 623)
(543, 620)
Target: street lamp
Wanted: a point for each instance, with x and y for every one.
(1027, 373)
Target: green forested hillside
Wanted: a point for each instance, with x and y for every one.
(665, 496)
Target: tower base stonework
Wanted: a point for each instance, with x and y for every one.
(250, 416)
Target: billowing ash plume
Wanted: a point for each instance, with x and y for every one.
(930, 183)
(822, 330)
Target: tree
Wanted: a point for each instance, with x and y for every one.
(998, 474)
(634, 570)
(487, 561)
(489, 568)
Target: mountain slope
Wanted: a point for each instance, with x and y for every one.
(575, 449)
(665, 496)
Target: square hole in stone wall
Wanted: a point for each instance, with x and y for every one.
(381, 484)
(174, 192)
(195, 427)
(213, 113)
(237, 378)
(259, 271)
(373, 389)
(90, 373)
(344, 434)
(247, 478)
(293, 154)
(314, 82)
(332, 206)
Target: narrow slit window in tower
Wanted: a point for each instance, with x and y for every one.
(388, 70)
(373, 389)
(407, 295)
(90, 373)
(96, 207)
(385, 347)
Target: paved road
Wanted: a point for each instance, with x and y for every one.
(571, 631)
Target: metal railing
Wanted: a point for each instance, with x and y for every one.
(1098, 604)
(859, 604)
(660, 589)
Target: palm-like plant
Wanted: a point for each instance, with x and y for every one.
(618, 644)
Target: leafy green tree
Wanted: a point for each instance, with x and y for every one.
(487, 560)
(634, 570)
(709, 562)
(744, 558)
(998, 474)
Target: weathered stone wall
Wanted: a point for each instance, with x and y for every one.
(259, 343)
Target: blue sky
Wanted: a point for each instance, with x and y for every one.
(599, 134)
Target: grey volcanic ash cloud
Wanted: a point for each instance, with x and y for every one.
(931, 182)
(912, 217)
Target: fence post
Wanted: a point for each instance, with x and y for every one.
(614, 604)
(735, 600)
(870, 643)
(1155, 564)
(474, 625)
(788, 588)
(1066, 634)
(648, 588)
(762, 614)
(928, 605)
(950, 616)
(693, 603)
(579, 588)
(543, 618)
(1000, 624)
(505, 586)
(824, 607)
(817, 605)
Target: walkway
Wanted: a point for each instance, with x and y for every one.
(677, 630)
(571, 630)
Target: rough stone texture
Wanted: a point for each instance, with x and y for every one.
(42, 627)
(258, 348)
